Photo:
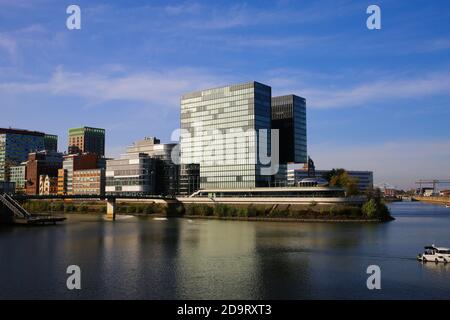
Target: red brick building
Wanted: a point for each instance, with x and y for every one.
(41, 163)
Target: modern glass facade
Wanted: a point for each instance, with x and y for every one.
(289, 117)
(189, 179)
(15, 146)
(51, 142)
(218, 132)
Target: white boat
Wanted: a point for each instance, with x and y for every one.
(160, 219)
(447, 205)
(435, 254)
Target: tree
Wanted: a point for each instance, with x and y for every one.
(340, 178)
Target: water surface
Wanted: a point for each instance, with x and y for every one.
(141, 258)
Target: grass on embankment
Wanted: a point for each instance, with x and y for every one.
(92, 207)
(372, 210)
(369, 211)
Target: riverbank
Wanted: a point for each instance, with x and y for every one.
(434, 200)
(371, 211)
(266, 219)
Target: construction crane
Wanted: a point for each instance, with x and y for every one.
(433, 182)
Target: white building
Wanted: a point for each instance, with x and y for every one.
(132, 174)
(365, 178)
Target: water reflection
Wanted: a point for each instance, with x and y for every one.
(142, 258)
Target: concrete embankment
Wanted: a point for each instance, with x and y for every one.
(436, 200)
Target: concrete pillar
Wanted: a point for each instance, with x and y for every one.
(111, 209)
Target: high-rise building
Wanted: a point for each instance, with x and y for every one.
(87, 140)
(220, 132)
(15, 145)
(132, 174)
(51, 142)
(41, 163)
(289, 117)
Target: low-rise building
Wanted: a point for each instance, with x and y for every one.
(41, 163)
(365, 178)
(72, 163)
(89, 182)
(18, 176)
(132, 174)
(48, 185)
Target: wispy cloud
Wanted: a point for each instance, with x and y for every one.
(367, 92)
(397, 163)
(115, 82)
(161, 88)
(8, 45)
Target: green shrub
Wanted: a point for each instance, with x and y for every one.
(82, 208)
(376, 209)
(131, 209)
(279, 213)
(69, 207)
(370, 209)
(223, 210)
(242, 212)
(199, 210)
(149, 209)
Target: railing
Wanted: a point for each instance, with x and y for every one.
(17, 205)
(12, 207)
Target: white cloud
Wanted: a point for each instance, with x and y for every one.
(373, 91)
(398, 163)
(9, 45)
(159, 88)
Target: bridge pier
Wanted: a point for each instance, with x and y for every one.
(111, 209)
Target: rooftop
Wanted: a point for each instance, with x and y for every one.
(21, 131)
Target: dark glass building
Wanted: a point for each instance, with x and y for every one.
(189, 181)
(87, 140)
(289, 117)
(15, 145)
(51, 142)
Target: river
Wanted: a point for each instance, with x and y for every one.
(143, 258)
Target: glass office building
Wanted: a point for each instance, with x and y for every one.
(289, 117)
(15, 145)
(219, 132)
(51, 142)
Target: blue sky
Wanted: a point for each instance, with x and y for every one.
(377, 100)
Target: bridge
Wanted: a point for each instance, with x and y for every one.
(14, 212)
(110, 200)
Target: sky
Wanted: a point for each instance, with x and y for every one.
(376, 99)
